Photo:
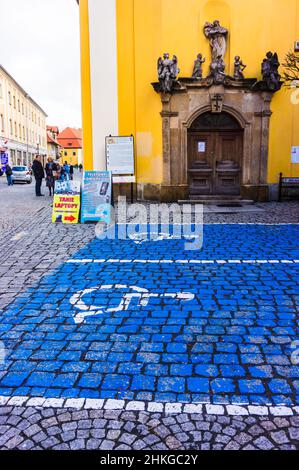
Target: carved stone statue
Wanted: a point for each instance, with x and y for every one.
(197, 70)
(167, 72)
(218, 39)
(239, 68)
(217, 69)
(270, 72)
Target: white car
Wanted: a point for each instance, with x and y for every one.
(21, 174)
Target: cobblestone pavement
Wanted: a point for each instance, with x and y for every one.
(68, 429)
(35, 247)
(19, 203)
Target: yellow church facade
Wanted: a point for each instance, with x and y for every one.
(214, 135)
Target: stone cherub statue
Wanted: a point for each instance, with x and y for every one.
(197, 70)
(167, 72)
(239, 68)
(270, 72)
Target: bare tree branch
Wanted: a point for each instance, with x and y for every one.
(291, 70)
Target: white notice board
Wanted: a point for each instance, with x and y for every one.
(295, 154)
(120, 155)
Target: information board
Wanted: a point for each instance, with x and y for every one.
(96, 197)
(295, 154)
(120, 155)
(66, 204)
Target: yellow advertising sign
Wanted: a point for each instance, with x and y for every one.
(66, 204)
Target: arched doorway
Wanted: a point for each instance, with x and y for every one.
(215, 155)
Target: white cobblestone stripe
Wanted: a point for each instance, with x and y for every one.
(151, 407)
(181, 261)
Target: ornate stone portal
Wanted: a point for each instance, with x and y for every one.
(216, 129)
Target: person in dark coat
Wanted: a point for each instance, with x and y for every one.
(51, 171)
(8, 172)
(39, 174)
(71, 172)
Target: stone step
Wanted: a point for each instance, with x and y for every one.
(218, 202)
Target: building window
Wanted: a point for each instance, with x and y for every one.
(19, 106)
(10, 127)
(23, 133)
(16, 129)
(23, 109)
(65, 154)
(14, 102)
(2, 123)
(1, 91)
(9, 97)
(74, 154)
(20, 131)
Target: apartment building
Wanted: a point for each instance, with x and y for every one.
(22, 123)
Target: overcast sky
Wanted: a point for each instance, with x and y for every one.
(40, 48)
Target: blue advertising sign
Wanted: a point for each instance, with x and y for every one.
(4, 160)
(96, 197)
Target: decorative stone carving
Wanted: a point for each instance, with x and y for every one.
(197, 70)
(217, 69)
(239, 68)
(218, 39)
(167, 72)
(216, 103)
(270, 72)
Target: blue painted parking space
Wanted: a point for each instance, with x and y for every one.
(147, 320)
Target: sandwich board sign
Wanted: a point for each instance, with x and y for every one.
(96, 197)
(4, 160)
(66, 204)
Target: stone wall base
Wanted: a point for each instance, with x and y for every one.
(163, 193)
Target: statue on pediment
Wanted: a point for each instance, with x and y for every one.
(217, 35)
(239, 68)
(217, 70)
(197, 70)
(167, 72)
(270, 72)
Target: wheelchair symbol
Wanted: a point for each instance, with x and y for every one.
(142, 295)
(144, 237)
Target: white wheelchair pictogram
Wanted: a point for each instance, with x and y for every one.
(144, 237)
(142, 295)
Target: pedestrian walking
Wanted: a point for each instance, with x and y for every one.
(72, 172)
(50, 169)
(80, 167)
(39, 174)
(62, 173)
(8, 172)
(66, 167)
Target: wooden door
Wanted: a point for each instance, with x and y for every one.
(214, 162)
(228, 161)
(201, 148)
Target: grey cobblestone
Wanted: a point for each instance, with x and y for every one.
(263, 443)
(77, 444)
(280, 437)
(294, 434)
(156, 434)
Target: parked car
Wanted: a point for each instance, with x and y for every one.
(21, 174)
